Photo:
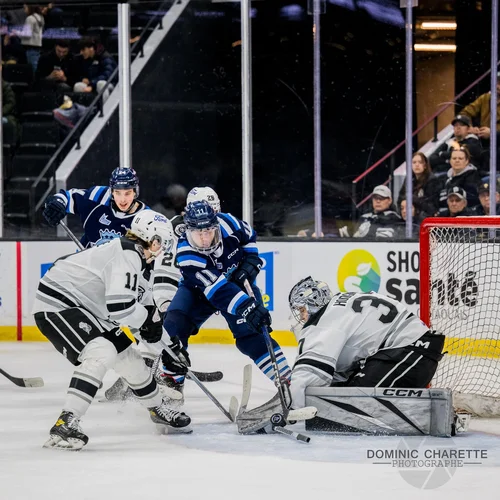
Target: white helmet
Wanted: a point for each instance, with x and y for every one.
(149, 226)
(204, 194)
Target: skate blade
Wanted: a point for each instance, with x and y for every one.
(168, 430)
(170, 393)
(58, 443)
(117, 397)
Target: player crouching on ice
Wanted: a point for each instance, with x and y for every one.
(79, 305)
(354, 340)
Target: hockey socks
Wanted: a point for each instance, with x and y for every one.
(265, 366)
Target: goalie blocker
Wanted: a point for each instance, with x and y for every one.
(383, 411)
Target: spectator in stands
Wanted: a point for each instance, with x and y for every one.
(94, 68)
(479, 110)
(457, 203)
(53, 16)
(56, 69)
(440, 159)
(31, 36)
(426, 186)
(382, 222)
(416, 211)
(417, 215)
(462, 174)
(12, 50)
(484, 199)
(173, 202)
(9, 120)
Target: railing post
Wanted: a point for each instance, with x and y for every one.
(353, 197)
(435, 138)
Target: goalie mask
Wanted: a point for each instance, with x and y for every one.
(307, 297)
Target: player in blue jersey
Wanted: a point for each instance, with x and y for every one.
(106, 212)
(216, 255)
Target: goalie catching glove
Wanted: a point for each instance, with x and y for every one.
(179, 363)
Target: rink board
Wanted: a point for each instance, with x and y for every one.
(342, 264)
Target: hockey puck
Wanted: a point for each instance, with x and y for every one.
(278, 419)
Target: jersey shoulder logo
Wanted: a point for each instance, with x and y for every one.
(179, 230)
(85, 327)
(106, 235)
(104, 220)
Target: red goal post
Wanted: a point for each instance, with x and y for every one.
(460, 297)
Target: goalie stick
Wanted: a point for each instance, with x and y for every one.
(202, 376)
(24, 382)
(277, 379)
(277, 420)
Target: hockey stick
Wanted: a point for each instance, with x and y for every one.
(209, 376)
(24, 382)
(231, 414)
(274, 364)
(71, 235)
(277, 420)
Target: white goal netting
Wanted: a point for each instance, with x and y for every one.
(463, 293)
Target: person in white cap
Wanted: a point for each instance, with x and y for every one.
(382, 222)
(457, 203)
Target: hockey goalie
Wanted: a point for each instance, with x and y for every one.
(365, 362)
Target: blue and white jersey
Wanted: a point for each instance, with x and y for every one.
(101, 222)
(209, 273)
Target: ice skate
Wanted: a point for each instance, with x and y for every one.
(66, 433)
(169, 420)
(168, 383)
(119, 391)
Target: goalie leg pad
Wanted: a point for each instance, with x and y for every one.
(382, 411)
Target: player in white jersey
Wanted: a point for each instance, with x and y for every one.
(361, 339)
(351, 340)
(80, 304)
(159, 290)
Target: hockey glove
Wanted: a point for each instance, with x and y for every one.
(152, 329)
(55, 210)
(255, 315)
(248, 269)
(179, 363)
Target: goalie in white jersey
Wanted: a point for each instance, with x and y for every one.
(80, 304)
(358, 340)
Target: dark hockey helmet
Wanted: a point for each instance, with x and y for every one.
(124, 178)
(202, 227)
(309, 294)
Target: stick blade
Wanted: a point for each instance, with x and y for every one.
(33, 382)
(209, 376)
(233, 408)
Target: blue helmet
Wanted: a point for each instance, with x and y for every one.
(124, 178)
(202, 227)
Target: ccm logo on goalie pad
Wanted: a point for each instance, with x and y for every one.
(403, 392)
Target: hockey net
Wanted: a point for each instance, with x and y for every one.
(460, 297)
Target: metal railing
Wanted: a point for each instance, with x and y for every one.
(390, 154)
(78, 129)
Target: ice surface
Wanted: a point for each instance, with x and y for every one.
(126, 459)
